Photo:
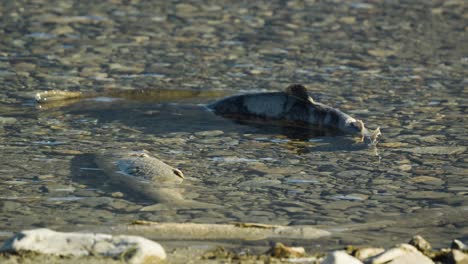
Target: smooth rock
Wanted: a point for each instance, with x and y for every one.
(426, 180)
(365, 253)
(340, 205)
(458, 257)
(340, 257)
(403, 254)
(209, 133)
(133, 249)
(381, 52)
(420, 243)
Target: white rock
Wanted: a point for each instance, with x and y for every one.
(403, 254)
(364, 253)
(340, 257)
(459, 257)
(45, 241)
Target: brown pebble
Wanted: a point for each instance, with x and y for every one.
(420, 243)
(282, 251)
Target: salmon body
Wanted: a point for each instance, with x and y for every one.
(292, 105)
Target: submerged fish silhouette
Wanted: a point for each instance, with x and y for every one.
(292, 105)
(148, 176)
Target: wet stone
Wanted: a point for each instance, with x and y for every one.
(427, 180)
(94, 202)
(437, 150)
(212, 133)
(431, 195)
(352, 173)
(420, 243)
(185, 9)
(7, 120)
(364, 253)
(340, 257)
(340, 205)
(405, 167)
(10, 206)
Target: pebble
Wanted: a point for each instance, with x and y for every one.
(119, 68)
(420, 243)
(117, 194)
(431, 195)
(211, 133)
(405, 167)
(185, 9)
(339, 205)
(279, 250)
(426, 180)
(365, 253)
(353, 173)
(340, 257)
(381, 52)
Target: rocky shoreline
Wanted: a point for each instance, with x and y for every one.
(47, 246)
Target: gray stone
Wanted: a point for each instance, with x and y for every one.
(133, 249)
(427, 180)
(340, 205)
(340, 257)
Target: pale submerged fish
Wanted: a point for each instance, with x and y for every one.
(146, 175)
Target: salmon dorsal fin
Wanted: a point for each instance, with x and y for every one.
(298, 91)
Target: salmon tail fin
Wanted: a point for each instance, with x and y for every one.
(360, 125)
(372, 139)
(375, 135)
(367, 136)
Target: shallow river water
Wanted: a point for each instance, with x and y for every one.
(400, 65)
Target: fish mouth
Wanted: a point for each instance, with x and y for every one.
(371, 138)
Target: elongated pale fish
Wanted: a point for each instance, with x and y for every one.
(292, 105)
(139, 172)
